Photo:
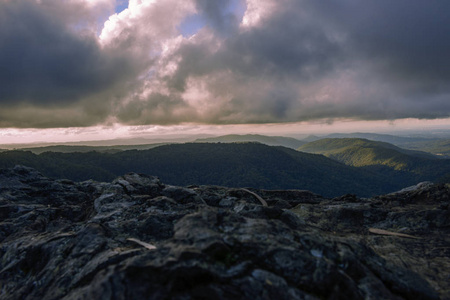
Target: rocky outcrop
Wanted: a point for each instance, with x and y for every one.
(136, 238)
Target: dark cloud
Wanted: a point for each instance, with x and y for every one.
(44, 61)
(265, 63)
(302, 60)
(218, 15)
(156, 109)
(397, 52)
(408, 39)
(284, 47)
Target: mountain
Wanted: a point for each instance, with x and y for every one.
(263, 139)
(382, 157)
(439, 147)
(435, 145)
(84, 148)
(137, 237)
(360, 152)
(311, 138)
(107, 144)
(234, 165)
(387, 138)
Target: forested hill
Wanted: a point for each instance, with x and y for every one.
(362, 152)
(233, 165)
(263, 139)
(382, 157)
(436, 145)
(84, 148)
(400, 141)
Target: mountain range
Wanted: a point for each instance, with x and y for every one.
(438, 146)
(238, 165)
(87, 148)
(263, 139)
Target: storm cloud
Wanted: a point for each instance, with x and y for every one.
(45, 62)
(274, 61)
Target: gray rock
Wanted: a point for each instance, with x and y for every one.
(136, 238)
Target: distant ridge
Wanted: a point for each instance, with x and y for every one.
(263, 139)
(311, 138)
(372, 167)
(109, 143)
(81, 148)
(387, 138)
(439, 147)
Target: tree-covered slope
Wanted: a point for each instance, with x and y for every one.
(254, 165)
(234, 165)
(361, 152)
(75, 166)
(436, 145)
(387, 138)
(381, 157)
(439, 147)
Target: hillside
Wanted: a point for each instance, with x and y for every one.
(234, 165)
(439, 147)
(263, 139)
(436, 145)
(362, 152)
(380, 156)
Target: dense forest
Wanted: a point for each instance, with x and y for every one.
(382, 157)
(230, 164)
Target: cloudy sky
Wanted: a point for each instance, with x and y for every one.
(120, 66)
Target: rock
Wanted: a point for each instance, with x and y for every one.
(347, 198)
(68, 240)
(182, 195)
(418, 187)
(140, 184)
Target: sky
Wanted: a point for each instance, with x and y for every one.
(95, 69)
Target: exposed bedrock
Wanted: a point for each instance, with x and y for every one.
(137, 238)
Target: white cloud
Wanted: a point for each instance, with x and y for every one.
(146, 23)
(258, 10)
(101, 3)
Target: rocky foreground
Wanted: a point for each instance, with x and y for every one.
(136, 238)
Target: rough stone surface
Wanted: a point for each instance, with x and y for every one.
(65, 240)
